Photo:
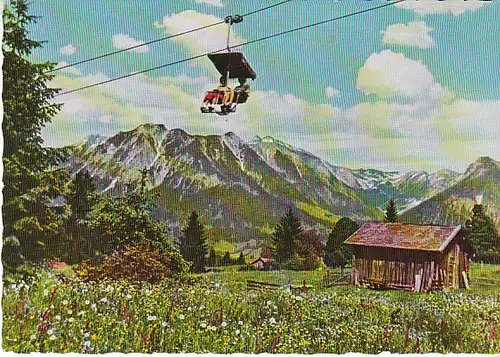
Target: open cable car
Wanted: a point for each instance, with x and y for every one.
(230, 65)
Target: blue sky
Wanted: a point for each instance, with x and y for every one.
(408, 87)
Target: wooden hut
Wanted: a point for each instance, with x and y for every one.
(410, 257)
(263, 264)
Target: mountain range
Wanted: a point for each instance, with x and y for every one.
(241, 189)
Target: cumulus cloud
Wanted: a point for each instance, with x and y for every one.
(429, 7)
(416, 123)
(210, 39)
(122, 41)
(68, 50)
(388, 74)
(217, 3)
(70, 70)
(413, 34)
(332, 92)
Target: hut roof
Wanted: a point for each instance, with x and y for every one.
(404, 236)
(263, 260)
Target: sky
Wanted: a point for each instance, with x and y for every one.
(412, 86)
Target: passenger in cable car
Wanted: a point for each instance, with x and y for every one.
(242, 91)
(218, 95)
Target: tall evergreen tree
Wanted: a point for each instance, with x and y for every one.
(482, 234)
(30, 183)
(81, 198)
(241, 259)
(128, 220)
(391, 212)
(226, 259)
(193, 245)
(287, 231)
(337, 254)
(212, 258)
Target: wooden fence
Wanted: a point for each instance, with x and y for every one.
(259, 285)
(334, 279)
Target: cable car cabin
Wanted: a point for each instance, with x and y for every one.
(230, 65)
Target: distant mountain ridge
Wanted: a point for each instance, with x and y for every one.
(480, 183)
(242, 188)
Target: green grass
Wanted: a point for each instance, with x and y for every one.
(232, 275)
(215, 312)
(318, 212)
(485, 278)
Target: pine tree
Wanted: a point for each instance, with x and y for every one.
(337, 255)
(482, 234)
(212, 258)
(287, 231)
(31, 182)
(391, 212)
(81, 198)
(226, 259)
(193, 243)
(241, 259)
(124, 221)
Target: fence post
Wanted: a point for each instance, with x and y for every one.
(354, 270)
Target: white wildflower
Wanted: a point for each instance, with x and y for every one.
(65, 302)
(203, 324)
(223, 324)
(151, 317)
(164, 323)
(181, 316)
(87, 302)
(237, 332)
(58, 317)
(104, 299)
(272, 320)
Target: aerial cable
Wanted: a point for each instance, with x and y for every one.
(163, 38)
(230, 47)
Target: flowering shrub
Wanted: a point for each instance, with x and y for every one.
(138, 263)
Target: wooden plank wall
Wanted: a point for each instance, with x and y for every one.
(411, 275)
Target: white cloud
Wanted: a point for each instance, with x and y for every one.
(388, 74)
(414, 34)
(473, 119)
(332, 92)
(210, 39)
(429, 7)
(122, 41)
(68, 50)
(70, 69)
(217, 3)
(417, 124)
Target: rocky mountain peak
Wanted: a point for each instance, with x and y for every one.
(483, 166)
